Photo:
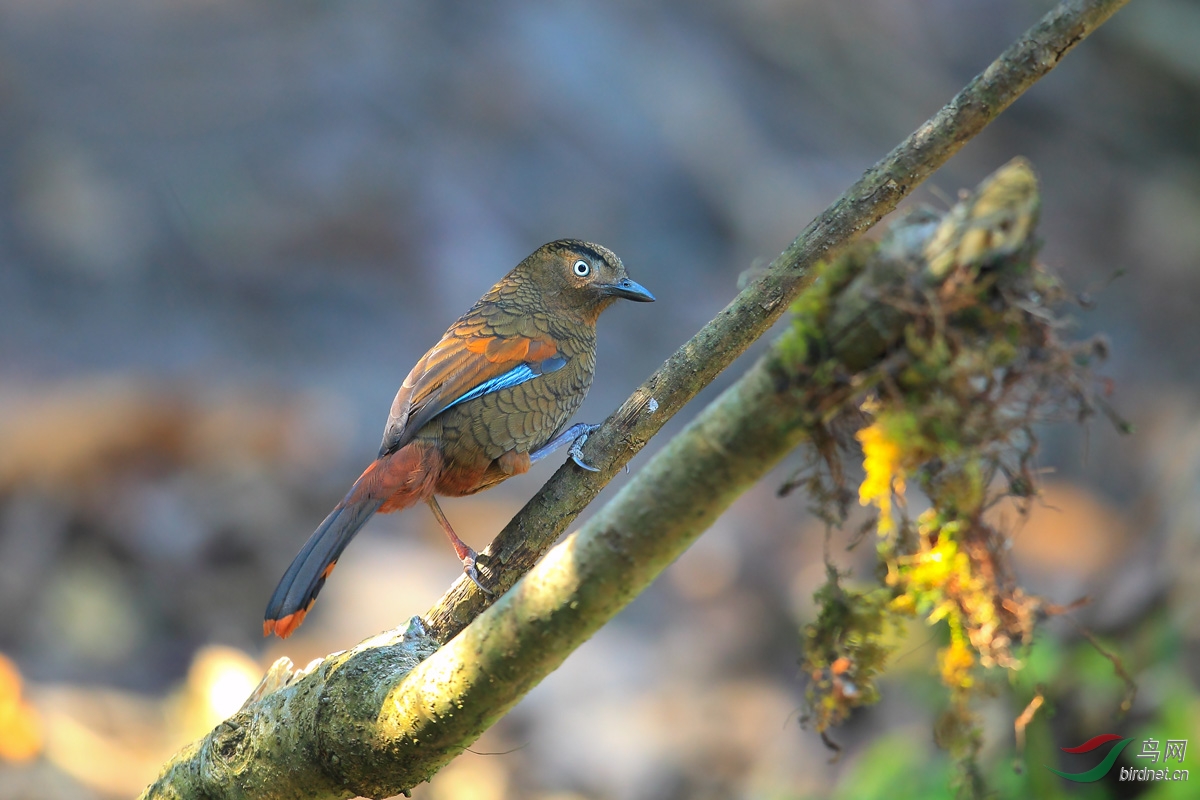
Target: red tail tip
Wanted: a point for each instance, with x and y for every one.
(283, 628)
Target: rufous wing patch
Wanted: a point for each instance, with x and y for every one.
(507, 349)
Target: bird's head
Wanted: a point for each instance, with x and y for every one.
(581, 276)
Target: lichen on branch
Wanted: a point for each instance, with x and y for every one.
(970, 320)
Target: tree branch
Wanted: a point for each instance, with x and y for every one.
(361, 723)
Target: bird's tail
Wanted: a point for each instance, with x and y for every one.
(398, 480)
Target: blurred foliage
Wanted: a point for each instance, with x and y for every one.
(900, 767)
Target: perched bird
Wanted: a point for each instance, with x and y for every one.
(487, 401)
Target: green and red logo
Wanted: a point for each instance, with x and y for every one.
(1100, 770)
(1156, 753)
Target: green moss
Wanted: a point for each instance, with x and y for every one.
(846, 648)
(805, 342)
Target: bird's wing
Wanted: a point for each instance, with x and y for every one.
(470, 361)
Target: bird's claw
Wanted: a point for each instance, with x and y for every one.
(576, 451)
(470, 570)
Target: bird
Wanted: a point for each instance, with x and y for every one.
(492, 397)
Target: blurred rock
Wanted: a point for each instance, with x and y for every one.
(1070, 537)
(1163, 220)
(123, 502)
(84, 218)
(1163, 30)
(1170, 451)
(1075, 545)
(89, 615)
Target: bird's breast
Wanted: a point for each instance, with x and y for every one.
(520, 418)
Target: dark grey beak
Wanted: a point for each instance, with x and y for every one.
(629, 290)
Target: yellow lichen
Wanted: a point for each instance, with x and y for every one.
(883, 463)
(956, 662)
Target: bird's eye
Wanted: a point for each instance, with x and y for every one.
(582, 268)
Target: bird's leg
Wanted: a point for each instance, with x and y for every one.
(577, 434)
(465, 554)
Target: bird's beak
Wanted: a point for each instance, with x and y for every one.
(628, 290)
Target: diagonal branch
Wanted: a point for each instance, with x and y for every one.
(362, 723)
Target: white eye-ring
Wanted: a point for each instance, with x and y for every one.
(582, 268)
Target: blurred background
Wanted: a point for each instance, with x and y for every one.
(227, 230)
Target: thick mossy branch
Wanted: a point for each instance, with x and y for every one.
(361, 723)
(303, 733)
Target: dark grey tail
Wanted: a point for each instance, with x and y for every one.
(298, 588)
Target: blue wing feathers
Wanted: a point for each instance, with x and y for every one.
(551, 364)
(515, 376)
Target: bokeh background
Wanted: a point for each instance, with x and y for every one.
(228, 229)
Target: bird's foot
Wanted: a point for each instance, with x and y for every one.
(577, 434)
(472, 572)
(576, 451)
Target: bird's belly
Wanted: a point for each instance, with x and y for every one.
(474, 435)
